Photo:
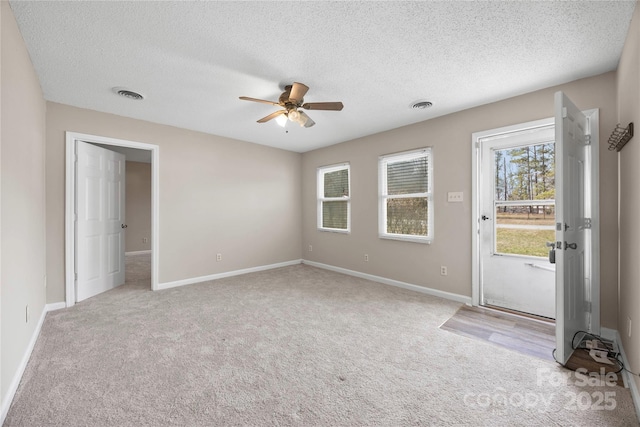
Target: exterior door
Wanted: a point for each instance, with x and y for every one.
(99, 220)
(517, 218)
(576, 284)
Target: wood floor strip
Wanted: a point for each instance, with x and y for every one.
(524, 335)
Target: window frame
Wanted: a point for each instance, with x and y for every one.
(383, 195)
(321, 172)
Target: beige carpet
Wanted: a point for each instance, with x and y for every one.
(293, 346)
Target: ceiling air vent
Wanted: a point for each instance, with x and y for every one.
(421, 105)
(128, 93)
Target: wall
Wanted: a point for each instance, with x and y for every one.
(22, 223)
(138, 206)
(450, 137)
(217, 195)
(629, 227)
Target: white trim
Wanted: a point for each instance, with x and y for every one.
(422, 289)
(200, 279)
(321, 172)
(383, 196)
(404, 238)
(476, 158)
(593, 116)
(610, 334)
(17, 377)
(137, 253)
(55, 306)
(629, 381)
(70, 198)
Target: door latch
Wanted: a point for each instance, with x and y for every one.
(552, 252)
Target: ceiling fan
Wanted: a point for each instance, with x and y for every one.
(291, 100)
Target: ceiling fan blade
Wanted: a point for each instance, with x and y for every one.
(271, 116)
(306, 119)
(246, 98)
(298, 91)
(333, 106)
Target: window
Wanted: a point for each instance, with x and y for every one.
(334, 198)
(406, 196)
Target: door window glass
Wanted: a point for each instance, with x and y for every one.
(524, 199)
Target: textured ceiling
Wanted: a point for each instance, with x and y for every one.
(192, 60)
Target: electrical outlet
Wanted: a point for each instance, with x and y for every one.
(26, 314)
(219, 257)
(145, 240)
(366, 257)
(629, 327)
(310, 248)
(454, 196)
(443, 270)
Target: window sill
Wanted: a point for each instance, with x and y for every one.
(334, 230)
(423, 240)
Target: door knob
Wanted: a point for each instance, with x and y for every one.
(570, 246)
(123, 225)
(484, 217)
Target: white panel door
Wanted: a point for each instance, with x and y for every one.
(100, 220)
(572, 226)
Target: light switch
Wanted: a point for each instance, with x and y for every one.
(454, 196)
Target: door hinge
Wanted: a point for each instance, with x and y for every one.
(75, 275)
(564, 112)
(586, 223)
(587, 306)
(587, 139)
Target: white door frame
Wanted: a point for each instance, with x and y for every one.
(595, 212)
(70, 202)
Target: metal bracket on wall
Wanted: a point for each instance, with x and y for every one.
(620, 136)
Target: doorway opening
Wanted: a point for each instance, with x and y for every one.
(516, 197)
(574, 253)
(131, 149)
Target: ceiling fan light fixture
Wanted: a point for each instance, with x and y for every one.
(294, 115)
(303, 120)
(291, 100)
(281, 120)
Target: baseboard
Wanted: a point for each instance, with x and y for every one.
(613, 334)
(137, 252)
(422, 289)
(13, 387)
(55, 306)
(183, 282)
(610, 334)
